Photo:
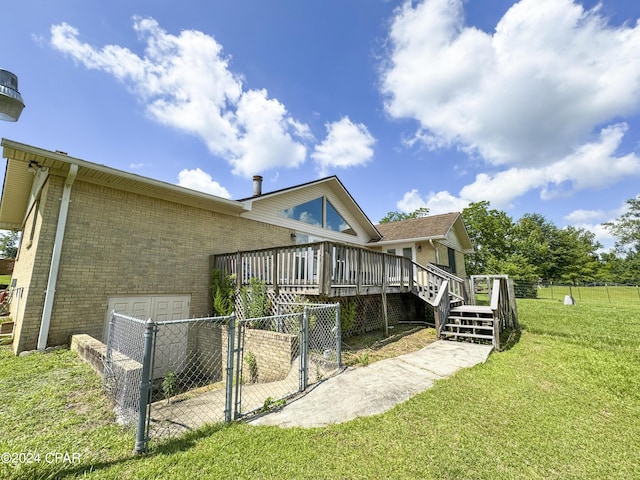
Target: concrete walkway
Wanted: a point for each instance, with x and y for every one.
(376, 388)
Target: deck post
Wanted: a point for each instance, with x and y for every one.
(274, 271)
(358, 271)
(385, 316)
(328, 267)
(238, 271)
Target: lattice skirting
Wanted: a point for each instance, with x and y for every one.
(359, 314)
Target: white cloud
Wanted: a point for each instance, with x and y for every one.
(201, 181)
(594, 165)
(584, 216)
(347, 144)
(185, 82)
(530, 99)
(440, 202)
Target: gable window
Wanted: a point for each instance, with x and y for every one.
(319, 212)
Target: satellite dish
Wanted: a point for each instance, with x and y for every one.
(11, 103)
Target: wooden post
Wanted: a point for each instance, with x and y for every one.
(325, 257)
(239, 271)
(385, 316)
(358, 271)
(275, 271)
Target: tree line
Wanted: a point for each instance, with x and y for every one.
(533, 248)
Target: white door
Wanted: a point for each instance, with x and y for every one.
(171, 341)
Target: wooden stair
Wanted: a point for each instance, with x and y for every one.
(470, 323)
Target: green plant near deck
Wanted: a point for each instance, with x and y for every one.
(169, 386)
(255, 302)
(252, 362)
(222, 292)
(348, 315)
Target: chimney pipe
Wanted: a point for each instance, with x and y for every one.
(257, 185)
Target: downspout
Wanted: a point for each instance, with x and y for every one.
(436, 250)
(55, 258)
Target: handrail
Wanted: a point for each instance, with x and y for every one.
(501, 304)
(441, 307)
(327, 266)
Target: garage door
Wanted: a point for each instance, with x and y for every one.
(171, 342)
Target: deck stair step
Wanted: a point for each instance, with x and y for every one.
(459, 326)
(467, 335)
(469, 322)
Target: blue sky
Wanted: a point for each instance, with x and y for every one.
(531, 105)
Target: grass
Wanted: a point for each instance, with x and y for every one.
(562, 403)
(5, 279)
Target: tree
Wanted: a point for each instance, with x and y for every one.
(626, 228)
(490, 231)
(9, 244)
(399, 216)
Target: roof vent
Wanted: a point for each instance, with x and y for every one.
(11, 103)
(257, 185)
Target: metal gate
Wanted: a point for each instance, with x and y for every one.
(280, 356)
(174, 376)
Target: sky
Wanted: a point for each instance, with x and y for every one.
(533, 105)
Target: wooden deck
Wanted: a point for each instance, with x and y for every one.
(336, 270)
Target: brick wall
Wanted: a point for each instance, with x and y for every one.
(31, 269)
(274, 353)
(118, 244)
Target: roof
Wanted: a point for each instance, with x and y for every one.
(333, 183)
(18, 182)
(425, 228)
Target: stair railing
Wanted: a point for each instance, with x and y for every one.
(502, 306)
(441, 307)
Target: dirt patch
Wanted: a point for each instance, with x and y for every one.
(373, 346)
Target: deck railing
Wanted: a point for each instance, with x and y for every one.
(505, 314)
(333, 269)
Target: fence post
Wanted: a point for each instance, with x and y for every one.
(107, 360)
(304, 343)
(238, 367)
(339, 335)
(229, 380)
(145, 387)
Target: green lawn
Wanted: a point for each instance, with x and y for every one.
(5, 279)
(561, 403)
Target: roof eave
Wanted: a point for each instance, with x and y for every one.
(119, 179)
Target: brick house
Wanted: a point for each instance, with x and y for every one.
(96, 239)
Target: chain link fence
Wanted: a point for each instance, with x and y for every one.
(281, 355)
(123, 365)
(189, 381)
(174, 376)
(592, 292)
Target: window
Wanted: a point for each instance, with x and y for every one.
(309, 212)
(318, 212)
(451, 253)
